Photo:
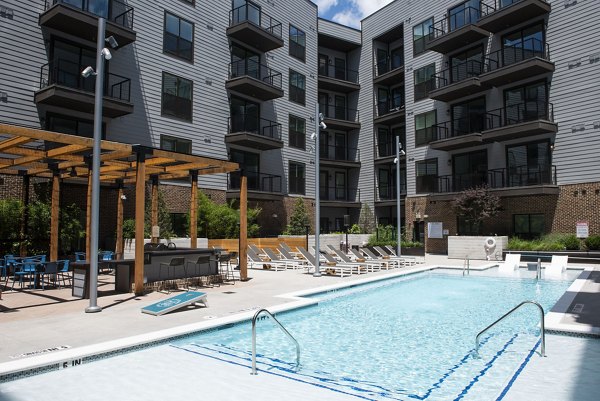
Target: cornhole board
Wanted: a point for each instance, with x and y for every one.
(176, 302)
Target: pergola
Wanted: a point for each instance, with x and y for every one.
(29, 152)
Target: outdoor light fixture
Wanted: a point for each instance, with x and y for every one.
(315, 136)
(106, 53)
(112, 42)
(87, 71)
(399, 152)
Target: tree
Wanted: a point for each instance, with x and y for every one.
(221, 220)
(476, 205)
(298, 220)
(366, 220)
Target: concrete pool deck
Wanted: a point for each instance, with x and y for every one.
(34, 323)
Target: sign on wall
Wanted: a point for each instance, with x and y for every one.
(582, 229)
(435, 230)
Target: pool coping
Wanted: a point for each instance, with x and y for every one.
(14, 370)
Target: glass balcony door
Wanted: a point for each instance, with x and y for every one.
(340, 185)
(245, 116)
(469, 170)
(382, 61)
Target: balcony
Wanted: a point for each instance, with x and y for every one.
(80, 18)
(62, 85)
(497, 17)
(512, 63)
(458, 133)
(250, 25)
(386, 195)
(512, 181)
(456, 31)
(254, 132)
(339, 156)
(253, 79)
(390, 112)
(260, 186)
(334, 79)
(458, 81)
(340, 117)
(387, 75)
(519, 120)
(339, 196)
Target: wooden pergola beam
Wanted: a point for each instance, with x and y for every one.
(194, 210)
(243, 251)
(65, 150)
(140, 194)
(14, 142)
(54, 217)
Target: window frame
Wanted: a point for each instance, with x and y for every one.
(528, 234)
(191, 100)
(296, 190)
(296, 45)
(177, 54)
(427, 87)
(424, 38)
(432, 136)
(426, 161)
(177, 141)
(295, 91)
(296, 134)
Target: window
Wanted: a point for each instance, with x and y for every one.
(424, 128)
(525, 43)
(173, 144)
(176, 97)
(297, 87)
(427, 172)
(244, 63)
(467, 64)
(420, 35)
(245, 117)
(526, 103)
(529, 164)
(297, 178)
(297, 43)
(469, 170)
(179, 37)
(72, 126)
(250, 164)
(424, 81)
(528, 226)
(297, 132)
(468, 117)
(464, 14)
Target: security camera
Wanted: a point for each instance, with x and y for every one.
(112, 42)
(313, 136)
(322, 125)
(106, 54)
(87, 72)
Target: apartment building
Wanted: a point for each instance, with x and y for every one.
(498, 93)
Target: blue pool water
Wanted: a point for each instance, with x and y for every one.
(404, 339)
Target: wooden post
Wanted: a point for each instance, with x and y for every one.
(120, 246)
(88, 219)
(243, 228)
(194, 211)
(154, 217)
(24, 217)
(54, 215)
(140, 193)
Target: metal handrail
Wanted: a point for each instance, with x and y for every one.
(281, 327)
(542, 334)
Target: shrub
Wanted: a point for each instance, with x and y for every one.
(571, 242)
(355, 229)
(221, 220)
(550, 242)
(386, 236)
(593, 242)
(298, 220)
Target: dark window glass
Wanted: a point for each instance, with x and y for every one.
(464, 14)
(424, 128)
(323, 65)
(382, 61)
(297, 178)
(469, 170)
(245, 116)
(529, 164)
(420, 35)
(175, 144)
(466, 227)
(250, 163)
(526, 103)
(523, 44)
(466, 65)
(468, 117)
(297, 43)
(178, 37)
(72, 126)
(297, 87)
(424, 81)
(528, 226)
(427, 172)
(176, 97)
(397, 58)
(297, 132)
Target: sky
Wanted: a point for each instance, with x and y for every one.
(348, 12)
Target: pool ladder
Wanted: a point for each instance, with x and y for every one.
(542, 334)
(467, 266)
(287, 333)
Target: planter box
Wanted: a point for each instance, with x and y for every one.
(419, 251)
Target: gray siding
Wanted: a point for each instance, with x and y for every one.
(339, 31)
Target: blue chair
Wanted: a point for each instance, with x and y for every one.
(63, 270)
(79, 256)
(49, 269)
(26, 269)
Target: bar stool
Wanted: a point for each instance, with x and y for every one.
(174, 264)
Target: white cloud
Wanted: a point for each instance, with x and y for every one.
(356, 10)
(325, 5)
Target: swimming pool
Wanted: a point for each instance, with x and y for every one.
(401, 339)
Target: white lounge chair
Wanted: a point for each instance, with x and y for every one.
(557, 267)
(342, 270)
(511, 263)
(255, 262)
(289, 263)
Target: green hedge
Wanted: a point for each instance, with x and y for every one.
(550, 242)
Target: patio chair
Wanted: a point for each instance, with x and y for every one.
(511, 263)
(286, 247)
(392, 251)
(174, 264)
(558, 265)
(354, 267)
(405, 260)
(256, 250)
(254, 260)
(63, 271)
(225, 265)
(47, 270)
(292, 263)
(25, 270)
(79, 256)
(335, 268)
(371, 256)
(372, 266)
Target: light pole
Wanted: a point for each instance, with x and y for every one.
(399, 152)
(318, 125)
(102, 54)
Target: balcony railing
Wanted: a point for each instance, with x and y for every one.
(517, 176)
(520, 113)
(67, 73)
(386, 149)
(496, 5)
(256, 182)
(466, 16)
(339, 153)
(385, 66)
(425, 135)
(343, 74)
(389, 106)
(253, 14)
(339, 113)
(255, 125)
(422, 89)
(458, 73)
(509, 55)
(253, 69)
(459, 127)
(112, 10)
(388, 192)
(344, 194)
